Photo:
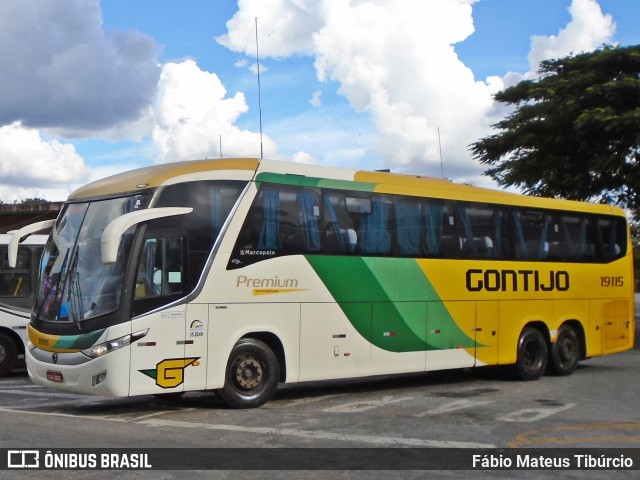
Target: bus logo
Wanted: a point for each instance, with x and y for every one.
(169, 373)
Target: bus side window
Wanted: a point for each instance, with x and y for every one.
(161, 268)
(409, 227)
(611, 238)
(481, 230)
(375, 232)
(298, 215)
(340, 233)
(16, 282)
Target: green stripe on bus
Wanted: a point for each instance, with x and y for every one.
(79, 342)
(303, 181)
(390, 302)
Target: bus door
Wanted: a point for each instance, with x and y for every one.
(159, 359)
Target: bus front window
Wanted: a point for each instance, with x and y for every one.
(74, 283)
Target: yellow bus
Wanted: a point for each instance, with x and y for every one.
(235, 275)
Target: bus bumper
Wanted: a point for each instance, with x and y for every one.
(105, 376)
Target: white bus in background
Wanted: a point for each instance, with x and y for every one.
(17, 287)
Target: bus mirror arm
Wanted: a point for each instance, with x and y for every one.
(116, 228)
(12, 249)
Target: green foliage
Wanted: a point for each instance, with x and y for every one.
(33, 201)
(635, 237)
(574, 132)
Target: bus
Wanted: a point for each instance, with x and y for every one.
(17, 286)
(236, 275)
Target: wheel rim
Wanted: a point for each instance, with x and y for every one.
(531, 356)
(567, 350)
(247, 373)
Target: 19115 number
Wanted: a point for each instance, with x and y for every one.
(608, 281)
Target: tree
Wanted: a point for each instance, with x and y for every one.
(574, 132)
(34, 201)
(635, 237)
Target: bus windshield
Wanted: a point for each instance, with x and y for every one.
(75, 285)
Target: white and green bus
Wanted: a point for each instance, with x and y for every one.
(236, 275)
(17, 287)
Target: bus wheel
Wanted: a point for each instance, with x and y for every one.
(532, 354)
(565, 352)
(8, 355)
(252, 375)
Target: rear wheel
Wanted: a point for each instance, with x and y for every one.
(565, 352)
(252, 374)
(532, 354)
(8, 354)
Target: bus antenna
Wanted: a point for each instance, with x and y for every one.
(259, 95)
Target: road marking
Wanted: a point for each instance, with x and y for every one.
(453, 406)
(306, 434)
(364, 405)
(533, 414)
(318, 435)
(605, 434)
(58, 414)
(13, 385)
(43, 394)
(297, 402)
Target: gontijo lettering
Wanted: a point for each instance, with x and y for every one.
(516, 280)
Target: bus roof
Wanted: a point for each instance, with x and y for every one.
(156, 175)
(272, 171)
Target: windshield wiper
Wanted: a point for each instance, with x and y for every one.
(74, 298)
(53, 287)
(69, 296)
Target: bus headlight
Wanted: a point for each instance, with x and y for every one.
(113, 345)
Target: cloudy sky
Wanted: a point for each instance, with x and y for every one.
(91, 88)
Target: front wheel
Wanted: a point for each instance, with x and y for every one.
(252, 374)
(532, 354)
(565, 352)
(8, 354)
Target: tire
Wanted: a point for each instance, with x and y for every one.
(252, 375)
(8, 354)
(533, 354)
(565, 352)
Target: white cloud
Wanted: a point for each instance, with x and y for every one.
(284, 27)
(61, 70)
(33, 167)
(254, 68)
(589, 28)
(396, 61)
(316, 99)
(193, 117)
(303, 157)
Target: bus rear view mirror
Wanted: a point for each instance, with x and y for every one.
(12, 249)
(113, 232)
